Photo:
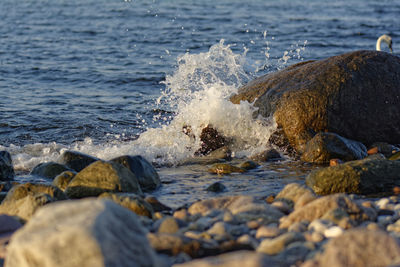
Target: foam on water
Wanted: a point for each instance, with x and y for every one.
(197, 94)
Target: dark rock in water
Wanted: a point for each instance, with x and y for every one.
(100, 177)
(130, 201)
(211, 140)
(326, 146)
(49, 169)
(145, 173)
(76, 160)
(395, 156)
(6, 167)
(62, 180)
(384, 148)
(267, 155)
(371, 175)
(355, 95)
(216, 187)
(359, 247)
(249, 165)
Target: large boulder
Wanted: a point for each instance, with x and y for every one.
(326, 146)
(6, 167)
(359, 247)
(371, 175)
(355, 95)
(100, 177)
(76, 233)
(145, 173)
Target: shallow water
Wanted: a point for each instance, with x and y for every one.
(123, 77)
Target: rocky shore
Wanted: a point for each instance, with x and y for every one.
(101, 213)
(340, 114)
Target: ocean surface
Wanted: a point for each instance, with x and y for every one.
(112, 77)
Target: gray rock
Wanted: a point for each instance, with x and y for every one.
(243, 207)
(100, 177)
(168, 225)
(278, 244)
(299, 195)
(319, 207)
(235, 259)
(267, 155)
(360, 247)
(49, 169)
(326, 146)
(173, 244)
(76, 160)
(367, 176)
(354, 95)
(6, 167)
(81, 233)
(145, 173)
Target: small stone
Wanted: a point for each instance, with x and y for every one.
(319, 225)
(267, 155)
(333, 231)
(298, 227)
(248, 240)
(249, 165)
(315, 237)
(132, 202)
(373, 150)
(169, 225)
(216, 187)
(181, 214)
(381, 203)
(267, 232)
(282, 206)
(278, 244)
(335, 162)
(156, 204)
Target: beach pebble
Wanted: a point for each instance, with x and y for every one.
(168, 225)
(216, 187)
(333, 231)
(249, 240)
(319, 226)
(278, 244)
(298, 227)
(268, 232)
(181, 214)
(382, 203)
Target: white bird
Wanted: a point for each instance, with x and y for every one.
(387, 39)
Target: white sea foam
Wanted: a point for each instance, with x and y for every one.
(197, 93)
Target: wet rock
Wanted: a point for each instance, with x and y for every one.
(395, 156)
(81, 233)
(49, 170)
(62, 180)
(384, 148)
(319, 207)
(248, 165)
(243, 207)
(211, 140)
(145, 173)
(278, 244)
(217, 156)
(268, 232)
(326, 146)
(8, 225)
(235, 259)
(156, 204)
(297, 194)
(368, 176)
(130, 201)
(354, 95)
(224, 168)
(100, 177)
(360, 247)
(6, 167)
(24, 200)
(216, 187)
(76, 160)
(267, 155)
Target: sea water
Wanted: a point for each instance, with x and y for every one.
(109, 78)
